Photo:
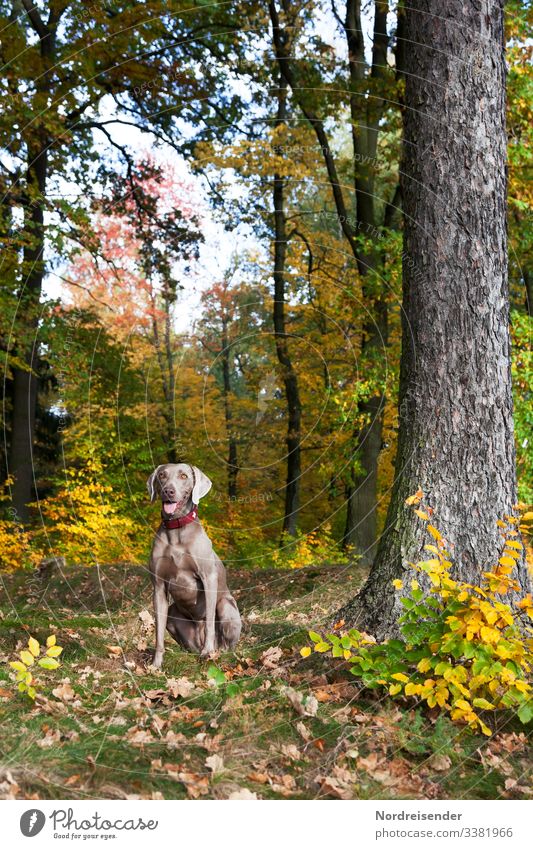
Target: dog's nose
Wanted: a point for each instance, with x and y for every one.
(169, 492)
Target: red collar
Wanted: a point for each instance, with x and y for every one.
(180, 521)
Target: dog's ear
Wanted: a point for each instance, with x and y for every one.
(202, 485)
(150, 483)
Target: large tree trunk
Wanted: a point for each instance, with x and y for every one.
(290, 379)
(456, 430)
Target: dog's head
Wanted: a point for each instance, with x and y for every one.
(179, 486)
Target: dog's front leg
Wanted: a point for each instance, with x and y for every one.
(210, 582)
(161, 613)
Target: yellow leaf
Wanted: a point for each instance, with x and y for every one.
(411, 689)
(421, 515)
(434, 532)
(441, 696)
(347, 654)
(397, 583)
(394, 689)
(462, 705)
(416, 498)
(424, 664)
(34, 646)
(484, 728)
(506, 561)
(305, 652)
(513, 543)
(55, 651)
(16, 664)
(26, 657)
(399, 676)
(51, 641)
(415, 585)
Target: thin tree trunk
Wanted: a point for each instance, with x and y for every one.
(233, 462)
(456, 438)
(365, 112)
(21, 466)
(290, 380)
(528, 283)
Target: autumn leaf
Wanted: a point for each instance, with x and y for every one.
(34, 646)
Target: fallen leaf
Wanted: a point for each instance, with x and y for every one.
(291, 751)
(333, 787)
(180, 687)
(197, 785)
(147, 619)
(271, 657)
(173, 740)
(215, 763)
(304, 705)
(51, 737)
(139, 736)
(303, 732)
(64, 692)
(259, 777)
(243, 793)
(440, 762)
(114, 651)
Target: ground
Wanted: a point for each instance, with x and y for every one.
(260, 722)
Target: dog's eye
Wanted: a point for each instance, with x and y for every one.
(162, 475)
(183, 476)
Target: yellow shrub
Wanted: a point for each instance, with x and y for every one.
(461, 648)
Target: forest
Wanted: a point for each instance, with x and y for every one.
(289, 243)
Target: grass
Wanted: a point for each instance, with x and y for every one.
(115, 728)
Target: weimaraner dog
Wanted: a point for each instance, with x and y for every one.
(204, 615)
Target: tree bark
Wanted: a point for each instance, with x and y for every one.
(456, 439)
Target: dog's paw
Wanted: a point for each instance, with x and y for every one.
(208, 653)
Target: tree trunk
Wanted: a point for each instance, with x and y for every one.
(21, 466)
(290, 380)
(456, 438)
(233, 464)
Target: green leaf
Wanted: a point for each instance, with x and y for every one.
(525, 713)
(215, 674)
(48, 663)
(316, 638)
(483, 704)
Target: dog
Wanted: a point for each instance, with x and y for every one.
(191, 596)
